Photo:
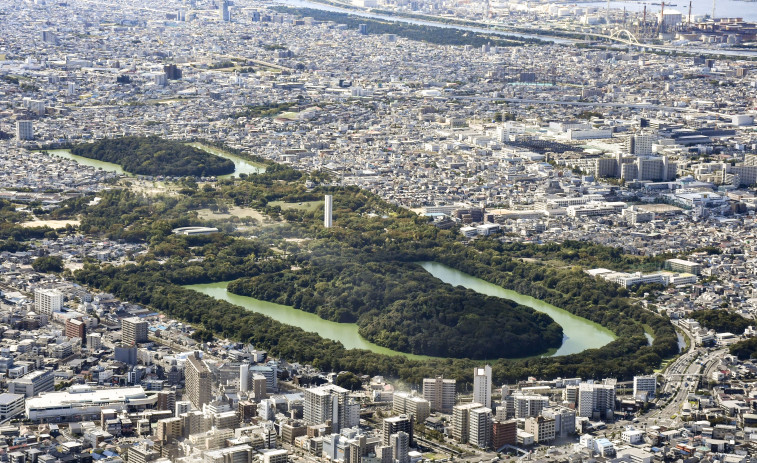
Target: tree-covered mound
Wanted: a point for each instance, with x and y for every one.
(156, 156)
(400, 306)
(366, 230)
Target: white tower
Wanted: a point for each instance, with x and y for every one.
(482, 385)
(327, 211)
(244, 377)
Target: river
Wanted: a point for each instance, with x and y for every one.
(420, 22)
(241, 165)
(579, 334)
(728, 8)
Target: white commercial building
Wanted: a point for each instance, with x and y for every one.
(646, 384)
(81, 403)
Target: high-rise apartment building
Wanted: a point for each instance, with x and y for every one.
(531, 405)
(94, 342)
(330, 403)
(47, 301)
(133, 331)
(440, 393)
(480, 427)
(418, 407)
(461, 421)
(395, 424)
(482, 385)
(24, 130)
(596, 401)
(400, 444)
(75, 328)
(198, 379)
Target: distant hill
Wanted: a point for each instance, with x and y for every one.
(156, 156)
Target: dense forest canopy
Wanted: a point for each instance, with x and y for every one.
(155, 156)
(722, 321)
(400, 306)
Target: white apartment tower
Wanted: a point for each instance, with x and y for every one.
(328, 210)
(480, 427)
(244, 377)
(330, 403)
(24, 130)
(596, 401)
(47, 301)
(482, 385)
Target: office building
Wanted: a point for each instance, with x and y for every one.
(258, 386)
(644, 384)
(47, 301)
(134, 331)
(482, 385)
(270, 372)
(480, 427)
(198, 379)
(565, 420)
(328, 210)
(395, 424)
(24, 130)
(33, 383)
(596, 401)
(543, 429)
(440, 393)
(11, 405)
(504, 433)
(461, 421)
(236, 454)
